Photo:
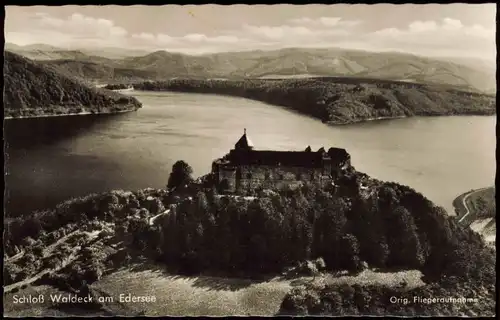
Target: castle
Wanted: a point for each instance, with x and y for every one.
(244, 170)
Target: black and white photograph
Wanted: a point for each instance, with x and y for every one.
(250, 160)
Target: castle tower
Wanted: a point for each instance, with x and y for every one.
(244, 143)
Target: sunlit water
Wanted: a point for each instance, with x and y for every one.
(440, 156)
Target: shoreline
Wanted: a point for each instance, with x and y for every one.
(83, 113)
(336, 123)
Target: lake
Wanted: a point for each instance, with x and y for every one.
(51, 159)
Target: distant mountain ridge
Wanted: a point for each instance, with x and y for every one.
(48, 52)
(470, 74)
(33, 89)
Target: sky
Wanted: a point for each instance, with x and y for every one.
(454, 30)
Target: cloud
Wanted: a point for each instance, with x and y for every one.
(452, 24)
(422, 26)
(44, 28)
(201, 38)
(438, 37)
(77, 30)
(446, 36)
(82, 25)
(447, 27)
(303, 29)
(277, 32)
(325, 22)
(146, 38)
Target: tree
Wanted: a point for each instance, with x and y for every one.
(38, 250)
(121, 229)
(201, 201)
(330, 227)
(333, 302)
(314, 270)
(404, 243)
(28, 241)
(361, 298)
(349, 251)
(181, 175)
(94, 272)
(10, 273)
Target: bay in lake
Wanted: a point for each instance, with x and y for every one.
(51, 159)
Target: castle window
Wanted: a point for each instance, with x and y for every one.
(298, 176)
(281, 176)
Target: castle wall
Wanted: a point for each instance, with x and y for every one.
(227, 178)
(243, 171)
(266, 177)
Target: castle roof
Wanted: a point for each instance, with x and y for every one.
(244, 142)
(277, 158)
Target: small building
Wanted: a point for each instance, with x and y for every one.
(245, 169)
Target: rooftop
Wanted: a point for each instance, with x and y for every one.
(277, 158)
(244, 154)
(244, 142)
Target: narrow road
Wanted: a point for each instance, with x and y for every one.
(152, 219)
(15, 257)
(47, 250)
(467, 211)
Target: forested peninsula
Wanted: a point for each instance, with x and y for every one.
(35, 90)
(342, 100)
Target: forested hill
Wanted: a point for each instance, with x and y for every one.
(112, 65)
(193, 230)
(90, 71)
(31, 89)
(343, 100)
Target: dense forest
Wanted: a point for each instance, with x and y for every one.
(392, 226)
(31, 89)
(342, 100)
(117, 86)
(441, 298)
(483, 205)
(96, 71)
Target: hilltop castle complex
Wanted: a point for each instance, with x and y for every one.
(244, 169)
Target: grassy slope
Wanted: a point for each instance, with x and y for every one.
(32, 89)
(12, 309)
(196, 296)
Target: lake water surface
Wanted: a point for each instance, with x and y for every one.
(50, 159)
